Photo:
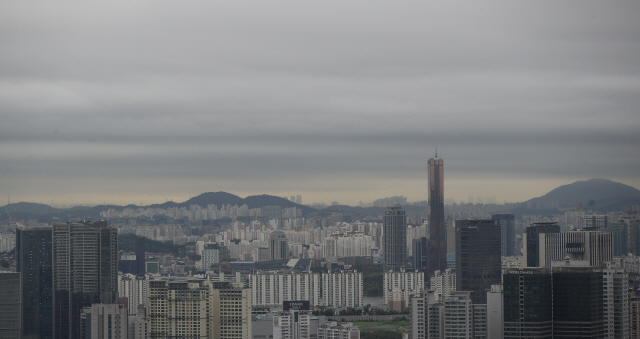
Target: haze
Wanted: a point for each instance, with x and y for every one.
(129, 102)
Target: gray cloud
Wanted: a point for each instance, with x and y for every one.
(338, 100)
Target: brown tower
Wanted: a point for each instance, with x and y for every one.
(437, 227)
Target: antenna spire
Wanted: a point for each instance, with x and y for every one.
(436, 152)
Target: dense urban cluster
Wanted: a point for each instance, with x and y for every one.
(436, 270)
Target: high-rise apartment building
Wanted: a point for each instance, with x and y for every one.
(278, 245)
(295, 324)
(10, 305)
(408, 283)
(271, 289)
(85, 272)
(478, 260)
(531, 241)
(395, 239)
(444, 283)
(508, 233)
(105, 321)
(342, 289)
(135, 288)
(331, 330)
(453, 317)
(33, 261)
(437, 226)
(202, 309)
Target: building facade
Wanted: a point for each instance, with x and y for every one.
(342, 289)
(453, 317)
(508, 233)
(10, 305)
(420, 254)
(104, 321)
(437, 226)
(407, 282)
(531, 241)
(395, 239)
(274, 288)
(85, 271)
(33, 260)
(478, 260)
(278, 245)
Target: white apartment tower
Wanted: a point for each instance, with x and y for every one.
(274, 288)
(408, 282)
(342, 289)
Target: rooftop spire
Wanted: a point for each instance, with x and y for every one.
(436, 152)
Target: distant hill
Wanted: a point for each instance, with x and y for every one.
(27, 210)
(596, 194)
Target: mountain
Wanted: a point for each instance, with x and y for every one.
(27, 210)
(597, 194)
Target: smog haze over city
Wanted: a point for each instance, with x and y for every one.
(139, 102)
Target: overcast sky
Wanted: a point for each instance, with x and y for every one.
(127, 102)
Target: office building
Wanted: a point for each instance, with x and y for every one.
(342, 289)
(570, 299)
(531, 241)
(33, 261)
(140, 255)
(453, 317)
(331, 330)
(619, 238)
(395, 239)
(528, 303)
(420, 251)
(10, 305)
(508, 234)
(478, 260)
(592, 246)
(408, 283)
(495, 312)
(594, 221)
(85, 272)
(278, 245)
(437, 226)
(272, 289)
(104, 321)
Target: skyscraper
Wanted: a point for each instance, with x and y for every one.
(10, 305)
(278, 245)
(420, 248)
(478, 261)
(437, 226)
(532, 241)
(85, 271)
(507, 229)
(395, 238)
(33, 261)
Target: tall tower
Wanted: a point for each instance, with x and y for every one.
(437, 226)
(395, 238)
(85, 272)
(278, 245)
(33, 261)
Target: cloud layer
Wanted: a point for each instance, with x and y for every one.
(336, 100)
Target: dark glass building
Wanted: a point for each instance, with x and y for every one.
(578, 304)
(619, 238)
(85, 271)
(528, 303)
(140, 256)
(478, 260)
(532, 241)
(395, 239)
(10, 305)
(437, 227)
(507, 224)
(33, 261)
(420, 254)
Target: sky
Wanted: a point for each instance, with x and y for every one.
(123, 102)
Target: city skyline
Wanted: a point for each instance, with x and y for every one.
(332, 101)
